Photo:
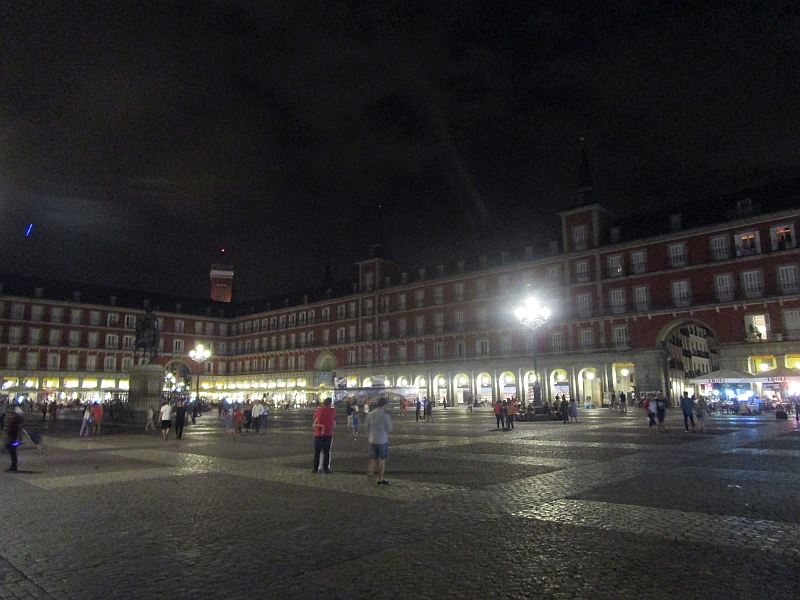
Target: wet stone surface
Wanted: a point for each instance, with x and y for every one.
(601, 509)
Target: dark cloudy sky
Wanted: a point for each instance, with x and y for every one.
(142, 137)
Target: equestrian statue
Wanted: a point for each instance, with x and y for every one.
(147, 338)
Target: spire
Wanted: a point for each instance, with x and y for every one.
(380, 249)
(586, 193)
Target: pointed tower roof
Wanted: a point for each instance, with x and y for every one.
(586, 193)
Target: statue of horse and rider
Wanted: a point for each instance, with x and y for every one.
(147, 338)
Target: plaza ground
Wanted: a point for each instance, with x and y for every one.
(599, 509)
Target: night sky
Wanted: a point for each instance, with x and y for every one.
(141, 138)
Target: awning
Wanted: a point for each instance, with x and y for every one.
(779, 375)
(723, 376)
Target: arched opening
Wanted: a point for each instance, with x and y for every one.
(590, 387)
(484, 386)
(325, 362)
(461, 385)
(690, 351)
(440, 388)
(508, 385)
(177, 376)
(559, 383)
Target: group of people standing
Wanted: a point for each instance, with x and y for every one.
(242, 417)
(425, 410)
(655, 405)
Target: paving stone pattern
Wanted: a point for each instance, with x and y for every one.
(600, 509)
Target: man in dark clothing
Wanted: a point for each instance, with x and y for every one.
(13, 435)
(180, 419)
(564, 408)
(419, 410)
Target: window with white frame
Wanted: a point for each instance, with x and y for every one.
(57, 314)
(402, 354)
(282, 322)
(458, 320)
(385, 329)
(209, 328)
(584, 303)
(757, 327)
(15, 335)
(505, 345)
(419, 298)
(723, 287)
(74, 339)
(587, 339)
(639, 261)
(615, 267)
(720, 247)
(72, 362)
(458, 291)
(678, 255)
(419, 350)
(367, 331)
(385, 354)
(179, 325)
(681, 293)
(461, 349)
(617, 300)
(326, 314)
(292, 319)
(386, 304)
(554, 275)
(580, 238)
(37, 312)
(312, 317)
(17, 311)
(438, 350)
(752, 283)
(75, 316)
(788, 280)
(130, 322)
(419, 322)
(402, 327)
(620, 336)
(438, 295)
(642, 297)
(91, 362)
(34, 336)
(482, 348)
(12, 359)
(54, 338)
(110, 363)
(401, 301)
(128, 341)
(177, 346)
(301, 362)
(33, 360)
(527, 278)
(93, 339)
(53, 362)
(480, 288)
(94, 318)
(748, 243)
(557, 341)
(341, 311)
(112, 319)
(782, 237)
(340, 335)
(369, 281)
(503, 284)
(481, 317)
(112, 340)
(582, 270)
(791, 324)
(352, 333)
(351, 309)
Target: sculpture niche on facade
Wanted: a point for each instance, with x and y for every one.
(147, 338)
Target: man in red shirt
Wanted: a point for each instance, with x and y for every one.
(324, 422)
(97, 418)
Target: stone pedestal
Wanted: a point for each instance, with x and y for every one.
(146, 383)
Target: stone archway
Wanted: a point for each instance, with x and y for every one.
(689, 351)
(326, 362)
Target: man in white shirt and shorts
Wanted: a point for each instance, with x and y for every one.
(379, 425)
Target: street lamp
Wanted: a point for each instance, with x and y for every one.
(533, 314)
(199, 355)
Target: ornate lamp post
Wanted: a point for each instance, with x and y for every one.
(533, 314)
(199, 355)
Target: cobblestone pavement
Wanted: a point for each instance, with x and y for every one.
(599, 509)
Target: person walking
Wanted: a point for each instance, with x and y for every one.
(498, 414)
(180, 419)
(354, 425)
(248, 415)
(701, 412)
(264, 416)
(87, 417)
(419, 409)
(165, 416)
(44, 411)
(97, 418)
(511, 414)
(573, 411)
(53, 411)
(349, 413)
(379, 426)
(429, 412)
(623, 403)
(564, 409)
(151, 413)
(13, 431)
(195, 409)
(258, 410)
(650, 411)
(238, 420)
(687, 407)
(324, 424)
(661, 412)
